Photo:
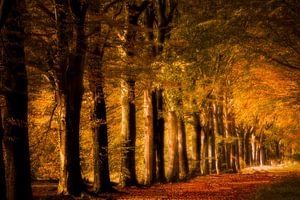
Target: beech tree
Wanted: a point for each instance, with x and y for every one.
(99, 116)
(128, 132)
(159, 17)
(70, 81)
(14, 123)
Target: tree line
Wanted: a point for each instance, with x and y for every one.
(191, 58)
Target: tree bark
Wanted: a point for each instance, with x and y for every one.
(72, 90)
(2, 167)
(159, 123)
(206, 153)
(99, 116)
(215, 135)
(173, 168)
(202, 151)
(128, 132)
(196, 143)
(16, 147)
(100, 143)
(149, 153)
(182, 149)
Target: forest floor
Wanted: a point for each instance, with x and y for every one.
(279, 182)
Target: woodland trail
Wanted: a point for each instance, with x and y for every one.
(225, 186)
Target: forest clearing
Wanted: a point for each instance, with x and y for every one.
(149, 99)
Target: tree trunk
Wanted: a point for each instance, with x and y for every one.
(196, 143)
(215, 135)
(182, 149)
(149, 153)
(2, 167)
(100, 143)
(73, 90)
(277, 148)
(261, 150)
(206, 152)
(173, 168)
(16, 147)
(203, 152)
(253, 149)
(128, 132)
(159, 132)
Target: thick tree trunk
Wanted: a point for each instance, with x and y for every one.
(16, 147)
(149, 153)
(97, 84)
(196, 143)
(253, 149)
(173, 168)
(247, 149)
(159, 132)
(203, 152)
(277, 149)
(182, 149)
(226, 136)
(100, 143)
(128, 132)
(73, 90)
(70, 137)
(215, 135)
(206, 152)
(2, 167)
(262, 151)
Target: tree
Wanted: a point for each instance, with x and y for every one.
(159, 14)
(128, 132)
(173, 166)
(96, 82)
(71, 90)
(2, 167)
(16, 148)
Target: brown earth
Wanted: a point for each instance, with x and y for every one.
(224, 186)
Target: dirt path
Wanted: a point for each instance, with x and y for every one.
(225, 186)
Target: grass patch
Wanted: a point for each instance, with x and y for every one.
(287, 189)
